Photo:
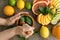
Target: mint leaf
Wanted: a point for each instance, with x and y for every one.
(22, 38)
(41, 9)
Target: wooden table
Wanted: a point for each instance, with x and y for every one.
(33, 37)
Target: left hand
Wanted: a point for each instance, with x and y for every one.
(15, 17)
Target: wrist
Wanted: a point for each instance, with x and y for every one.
(16, 30)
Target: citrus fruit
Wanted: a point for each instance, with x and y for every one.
(36, 6)
(8, 10)
(44, 19)
(20, 4)
(44, 32)
(56, 31)
(28, 5)
(40, 0)
(12, 2)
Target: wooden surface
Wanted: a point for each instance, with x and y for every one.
(33, 37)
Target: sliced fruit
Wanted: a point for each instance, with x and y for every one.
(58, 1)
(53, 1)
(36, 6)
(50, 5)
(49, 17)
(53, 10)
(47, 20)
(42, 20)
(56, 19)
(39, 18)
(58, 10)
(40, 0)
(57, 5)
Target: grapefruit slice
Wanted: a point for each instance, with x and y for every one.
(41, 0)
(36, 6)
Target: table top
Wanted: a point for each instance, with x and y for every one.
(33, 37)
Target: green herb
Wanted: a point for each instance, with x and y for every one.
(22, 19)
(28, 20)
(51, 14)
(38, 11)
(41, 9)
(22, 38)
(35, 31)
(47, 9)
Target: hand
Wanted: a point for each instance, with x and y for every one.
(25, 30)
(15, 17)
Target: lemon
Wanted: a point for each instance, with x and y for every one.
(8, 10)
(44, 32)
(20, 4)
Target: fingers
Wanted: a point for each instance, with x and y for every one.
(17, 16)
(28, 34)
(28, 27)
(33, 28)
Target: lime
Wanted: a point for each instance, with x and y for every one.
(28, 5)
(12, 2)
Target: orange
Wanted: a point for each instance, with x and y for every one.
(39, 18)
(56, 31)
(43, 19)
(8, 10)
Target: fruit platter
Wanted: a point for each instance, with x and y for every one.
(30, 19)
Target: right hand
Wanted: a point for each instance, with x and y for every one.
(25, 30)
